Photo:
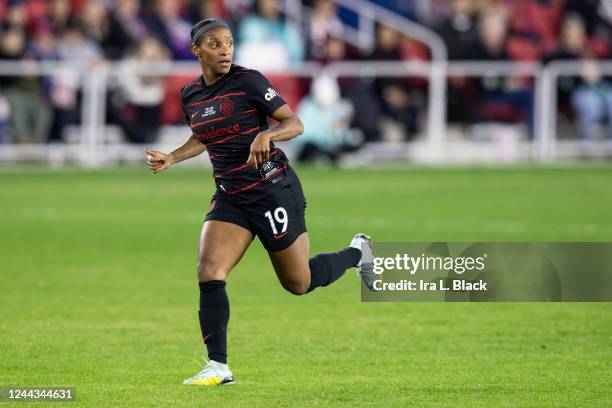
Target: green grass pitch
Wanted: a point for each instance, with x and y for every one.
(99, 292)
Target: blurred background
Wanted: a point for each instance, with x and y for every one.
(107, 255)
(89, 82)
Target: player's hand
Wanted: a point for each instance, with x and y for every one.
(260, 150)
(157, 161)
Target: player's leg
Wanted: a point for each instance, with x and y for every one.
(291, 265)
(300, 274)
(224, 239)
(279, 220)
(222, 245)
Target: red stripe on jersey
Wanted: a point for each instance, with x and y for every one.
(213, 155)
(250, 130)
(257, 182)
(225, 173)
(223, 140)
(222, 118)
(216, 97)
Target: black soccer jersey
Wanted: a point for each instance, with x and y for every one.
(226, 117)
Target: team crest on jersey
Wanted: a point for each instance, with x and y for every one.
(227, 106)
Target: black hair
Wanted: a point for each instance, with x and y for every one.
(202, 27)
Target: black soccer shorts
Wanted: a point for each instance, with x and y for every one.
(277, 218)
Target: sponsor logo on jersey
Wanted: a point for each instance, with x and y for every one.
(214, 132)
(209, 111)
(226, 106)
(271, 94)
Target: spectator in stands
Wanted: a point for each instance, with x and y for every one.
(597, 17)
(60, 13)
(171, 28)
(203, 9)
(324, 23)
(459, 30)
(81, 53)
(43, 45)
(534, 25)
(460, 34)
(359, 91)
(126, 28)
(16, 16)
(94, 23)
(499, 91)
(336, 49)
(326, 120)
(588, 94)
(76, 48)
(137, 106)
(266, 40)
(29, 111)
(592, 102)
(572, 47)
(397, 101)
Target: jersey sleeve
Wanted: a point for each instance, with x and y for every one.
(260, 93)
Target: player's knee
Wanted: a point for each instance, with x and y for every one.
(208, 271)
(296, 288)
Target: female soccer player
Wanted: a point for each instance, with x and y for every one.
(258, 193)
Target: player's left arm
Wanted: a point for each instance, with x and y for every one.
(289, 126)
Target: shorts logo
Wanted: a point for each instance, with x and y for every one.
(271, 94)
(268, 169)
(267, 166)
(226, 107)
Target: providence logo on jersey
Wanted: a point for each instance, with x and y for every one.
(214, 132)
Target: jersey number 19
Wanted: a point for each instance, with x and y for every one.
(280, 215)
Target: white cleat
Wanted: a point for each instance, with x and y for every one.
(214, 373)
(365, 267)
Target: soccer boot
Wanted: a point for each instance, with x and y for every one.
(365, 267)
(214, 373)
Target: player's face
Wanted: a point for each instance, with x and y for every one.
(216, 50)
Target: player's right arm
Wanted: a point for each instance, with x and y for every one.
(158, 161)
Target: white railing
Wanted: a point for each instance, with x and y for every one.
(94, 83)
(549, 97)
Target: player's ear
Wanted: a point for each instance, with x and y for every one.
(195, 50)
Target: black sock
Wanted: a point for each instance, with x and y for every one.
(327, 268)
(214, 315)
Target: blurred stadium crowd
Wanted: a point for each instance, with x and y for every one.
(87, 32)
